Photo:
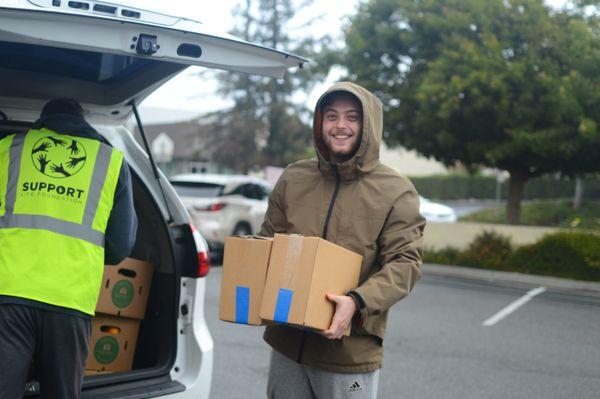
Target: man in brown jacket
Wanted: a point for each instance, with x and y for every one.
(347, 197)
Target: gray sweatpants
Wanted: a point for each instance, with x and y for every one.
(291, 380)
(56, 342)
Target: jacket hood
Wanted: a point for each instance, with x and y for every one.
(366, 157)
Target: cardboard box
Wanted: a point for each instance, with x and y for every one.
(301, 271)
(125, 288)
(112, 345)
(245, 263)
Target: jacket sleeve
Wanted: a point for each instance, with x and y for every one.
(275, 220)
(401, 249)
(122, 223)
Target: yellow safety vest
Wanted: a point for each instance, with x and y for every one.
(56, 194)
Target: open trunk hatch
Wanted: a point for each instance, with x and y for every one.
(107, 61)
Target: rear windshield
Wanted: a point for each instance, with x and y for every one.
(188, 189)
(83, 65)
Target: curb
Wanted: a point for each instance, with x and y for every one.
(559, 284)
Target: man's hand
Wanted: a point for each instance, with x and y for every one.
(345, 307)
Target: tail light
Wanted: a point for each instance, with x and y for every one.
(211, 208)
(203, 264)
(203, 255)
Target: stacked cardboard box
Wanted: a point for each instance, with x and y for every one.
(121, 306)
(289, 276)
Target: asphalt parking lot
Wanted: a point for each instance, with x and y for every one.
(537, 343)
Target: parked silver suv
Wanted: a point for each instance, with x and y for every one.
(110, 57)
(222, 205)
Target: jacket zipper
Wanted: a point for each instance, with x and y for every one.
(324, 236)
(332, 203)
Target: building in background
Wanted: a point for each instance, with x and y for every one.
(181, 147)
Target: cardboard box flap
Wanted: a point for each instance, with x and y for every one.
(290, 275)
(252, 237)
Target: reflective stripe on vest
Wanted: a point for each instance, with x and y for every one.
(82, 231)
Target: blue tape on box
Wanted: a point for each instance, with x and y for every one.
(242, 304)
(282, 308)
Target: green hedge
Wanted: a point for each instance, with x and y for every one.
(553, 213)
(567, 255)
(575, 255)
(451, 187)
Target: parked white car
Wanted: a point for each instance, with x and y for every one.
(222, 205)
(435, 212)
(110, 57)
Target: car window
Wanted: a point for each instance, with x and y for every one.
(193, 189)
(85, 65)
(250, 191)
(265, 191)
(255, 192)
(238, 190)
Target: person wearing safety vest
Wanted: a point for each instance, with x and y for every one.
(66, 209)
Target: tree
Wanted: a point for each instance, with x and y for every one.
(505, 84)
(229, 143)
(264, 125)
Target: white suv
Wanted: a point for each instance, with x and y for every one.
(436, 212)
(221, 205)
(110, 57)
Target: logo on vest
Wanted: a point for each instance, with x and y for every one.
(58, 157)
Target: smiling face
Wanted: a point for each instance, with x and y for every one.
(342, 126)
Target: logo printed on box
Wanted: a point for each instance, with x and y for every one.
(106, 350)
(122, 294)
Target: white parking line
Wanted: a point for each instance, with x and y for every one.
(513, 306)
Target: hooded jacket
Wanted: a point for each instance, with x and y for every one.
(365, 207)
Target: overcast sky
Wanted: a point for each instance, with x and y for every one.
(188, 95)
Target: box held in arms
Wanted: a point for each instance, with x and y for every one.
(245, 263)
(302, 270)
